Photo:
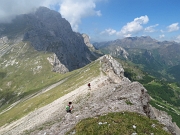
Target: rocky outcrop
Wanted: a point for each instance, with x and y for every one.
(113, 69)
(57, 66)
(165, 119)
(90, 46)
(87, 42)
(119, 51)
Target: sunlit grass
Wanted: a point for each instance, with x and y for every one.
(72, 81)
(123, 123)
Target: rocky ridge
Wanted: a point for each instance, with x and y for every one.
(109, 93)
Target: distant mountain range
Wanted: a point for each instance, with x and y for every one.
(158, 58)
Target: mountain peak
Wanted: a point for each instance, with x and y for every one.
(46, 13)
(46, 30)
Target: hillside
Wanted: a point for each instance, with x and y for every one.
(110, 92)
(35, 47)
(152, 56)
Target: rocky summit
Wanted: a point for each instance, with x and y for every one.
(110, 92)
(47, 31)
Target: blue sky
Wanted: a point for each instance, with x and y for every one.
(121, 18)
(105, 20)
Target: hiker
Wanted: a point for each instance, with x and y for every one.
(69, 107)
(89, 85)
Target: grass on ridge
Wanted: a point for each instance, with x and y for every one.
(120, 123)
(75, 79)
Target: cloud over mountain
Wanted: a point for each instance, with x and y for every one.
(9, 9)
(72, 10)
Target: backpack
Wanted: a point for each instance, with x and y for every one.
(67, 108)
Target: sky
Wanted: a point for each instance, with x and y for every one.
(105, 20)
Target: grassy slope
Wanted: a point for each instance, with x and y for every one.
(118, 124)
(72, 79)
(24, 71)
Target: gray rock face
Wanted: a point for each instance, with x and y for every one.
(165, 119)
(87, 41)
(120, 51)
(57, 66)
(90, 46)
(113, 69)
(53, 33)
(48, 31)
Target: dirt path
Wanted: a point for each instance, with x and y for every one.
(48, 112)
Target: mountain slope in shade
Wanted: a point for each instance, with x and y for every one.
(47, 31)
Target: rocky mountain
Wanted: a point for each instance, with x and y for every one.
(110, 92)
(153, 56)
(47, 31)
(33, 98)
(91, 46)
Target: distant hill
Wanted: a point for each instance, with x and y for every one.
(151, 55)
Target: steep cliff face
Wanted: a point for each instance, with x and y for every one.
(90, 46)
(47, 31)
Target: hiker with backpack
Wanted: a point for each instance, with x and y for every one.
(69, 107)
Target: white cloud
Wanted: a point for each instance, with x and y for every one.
(134, 26)
(162, 31)
(73, 11)
(178, 39)
(161, 36)
(173, 27)
(109, 31)
(9, 9)
(151, 28)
